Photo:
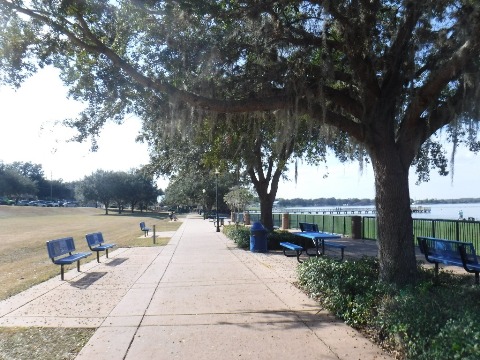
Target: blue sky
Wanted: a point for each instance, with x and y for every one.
(29, 133)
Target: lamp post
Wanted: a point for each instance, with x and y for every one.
(204, 205)
(216, 197)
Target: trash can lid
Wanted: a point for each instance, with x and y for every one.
(257, 226)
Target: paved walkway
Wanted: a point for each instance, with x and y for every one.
(199, 297)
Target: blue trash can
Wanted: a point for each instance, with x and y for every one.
(258, 237)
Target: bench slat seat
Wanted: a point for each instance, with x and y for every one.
(96, 243)
(337, 246)
(59, 247)
(293, 247)
(71, 259)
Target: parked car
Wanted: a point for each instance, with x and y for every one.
(70, 204)
(5, 201)
(22, 203)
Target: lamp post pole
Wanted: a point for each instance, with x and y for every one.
(204, 205)
(216, 198)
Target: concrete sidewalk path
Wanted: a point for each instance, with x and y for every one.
(199, 297)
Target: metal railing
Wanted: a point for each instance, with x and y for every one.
(460, 230)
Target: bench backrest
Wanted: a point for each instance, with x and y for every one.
(94, 239)
(308, 227)
(467, 251)
(447, 248)
(142, 225)
(60, 247)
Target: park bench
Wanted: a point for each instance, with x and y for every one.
(293, 247)
(450, 252)
(144, 228)
(65, 246)
(96, 243)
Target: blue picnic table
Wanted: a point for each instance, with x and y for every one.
(318, 239)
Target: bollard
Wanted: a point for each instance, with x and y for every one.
(356, 227)
(246, 218)
(285, 221)
(154, 234)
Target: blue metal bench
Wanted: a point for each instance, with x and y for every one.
(297, 248)
(96, 243)
(144, 228)
(450, 252)
(65, 246)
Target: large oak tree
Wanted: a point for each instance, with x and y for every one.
(389, 74)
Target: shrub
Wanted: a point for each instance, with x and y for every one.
(436, 319)
(349, 289)
(239, 234)
(274, 239)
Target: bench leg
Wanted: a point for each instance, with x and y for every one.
(476, 278)
(342, 254)
(298, 252)
(98, 256)
(78, 265)
(106, 253)
(61, 272)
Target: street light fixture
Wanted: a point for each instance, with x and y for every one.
(216, 197)
(204, 205)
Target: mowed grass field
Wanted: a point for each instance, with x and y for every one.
(24, 231)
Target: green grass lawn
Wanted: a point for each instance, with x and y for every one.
(24, 261)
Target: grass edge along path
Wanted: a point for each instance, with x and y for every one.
(24, 263)
(42, 343)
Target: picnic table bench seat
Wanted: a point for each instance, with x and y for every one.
(308, 227)
(61, 252)
(341, 247)
(293, 247)
(450, 252)
(96, 243)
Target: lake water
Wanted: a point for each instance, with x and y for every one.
(438, 211)
(449, 211)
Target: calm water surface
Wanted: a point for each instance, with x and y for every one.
(438, 211)
(450, 211)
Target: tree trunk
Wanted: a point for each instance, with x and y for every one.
(396, 244)
(266, 199)
(266, 212)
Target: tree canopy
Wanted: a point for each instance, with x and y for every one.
(387, 74)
